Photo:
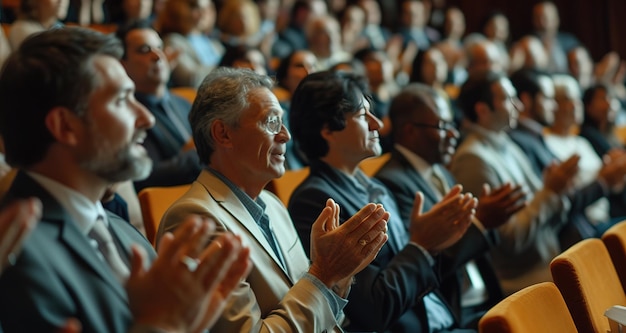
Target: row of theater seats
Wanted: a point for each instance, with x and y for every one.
(589, 278)
(154, 201)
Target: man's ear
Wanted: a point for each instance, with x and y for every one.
(220, 133)
(526, 100)
(482, 110)
(64, 125)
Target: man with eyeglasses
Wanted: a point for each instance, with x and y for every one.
(169, 142)
(332, 122)
(239, 135)
(424, 140)
(529, 240)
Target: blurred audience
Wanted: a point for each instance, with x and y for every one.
(34, 16)
(185, 26)
(169, 143)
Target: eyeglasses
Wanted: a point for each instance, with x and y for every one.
(441, 125)
(273, 124)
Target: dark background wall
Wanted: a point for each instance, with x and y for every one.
(599, 24)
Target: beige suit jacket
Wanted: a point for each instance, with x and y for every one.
(529, 240)
(272, 299)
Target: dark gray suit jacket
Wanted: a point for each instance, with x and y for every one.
(171, 165)
(388, 293)
(58, 274)
(404, 181)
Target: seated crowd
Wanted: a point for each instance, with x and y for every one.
(498, 157)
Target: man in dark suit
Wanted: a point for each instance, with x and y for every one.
(169, 142)
(399, 291)
(85, 131)
(424, 140)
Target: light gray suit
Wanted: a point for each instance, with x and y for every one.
(272, 299)
(529, 240)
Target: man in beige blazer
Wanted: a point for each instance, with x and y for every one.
(529, 240)
(239, 135)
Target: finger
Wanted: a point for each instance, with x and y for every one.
(379, 227)
(487, 190)
(329, 224)
(319, 226)
(454, 191)
(464, 211)
(373, 247)
(137, 258)
(362, 215)
(380, 215)
(512, 209)
(238, 271)
(336, 220)
(199, 239)
(418, 204)
(179, 237)
(503, 191)
(333, 219)
(216, 259)
(16, 222)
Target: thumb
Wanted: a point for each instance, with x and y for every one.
(320, 225)
(137, 259)
(486, 190)
(418, 205)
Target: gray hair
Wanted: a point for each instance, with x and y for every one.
(223, 95)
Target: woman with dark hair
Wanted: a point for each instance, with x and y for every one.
(185, 26)
(430, 67)
(601, 108)
(291, 70)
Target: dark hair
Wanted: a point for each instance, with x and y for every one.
(526, 80)
(283, 68)
(477, 89)
(588, 96)
(490, 16)
(236, 53)
(590, 93)
(412, 99)
(322, 100)
(416, 67)
(51, 69)
(125, 29)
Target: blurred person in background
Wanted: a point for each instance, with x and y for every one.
(185, 26)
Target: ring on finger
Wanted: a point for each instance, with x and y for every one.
(190, 263)
(362, 242)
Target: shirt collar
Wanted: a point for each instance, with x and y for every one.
(83, 211)
(531, 125)
(256, 208)
(498, 140)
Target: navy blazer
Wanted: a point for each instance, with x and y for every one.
(170, 164)
(58, 274)
(388, 293)
(404, 181)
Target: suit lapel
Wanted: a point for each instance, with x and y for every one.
(411, 176)
(233, 206)
(69, 234)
